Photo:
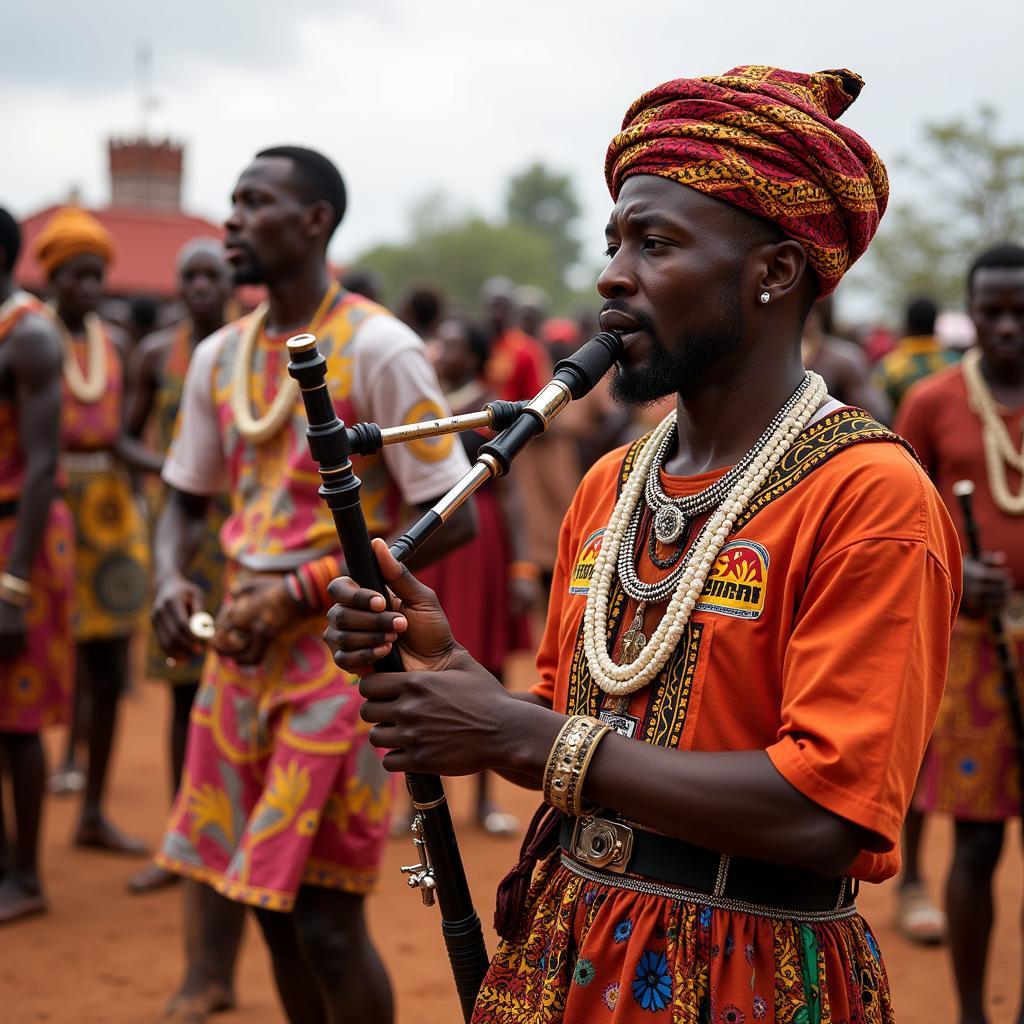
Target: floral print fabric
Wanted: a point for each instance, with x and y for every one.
(281, 787)
(589, 952)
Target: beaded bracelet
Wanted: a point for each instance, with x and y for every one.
(308, 583)
(567, 764)
(293, 585)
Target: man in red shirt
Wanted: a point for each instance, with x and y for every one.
(518, 366)
(966, 423)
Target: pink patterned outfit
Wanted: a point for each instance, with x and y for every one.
(281, 787)
(35, 687)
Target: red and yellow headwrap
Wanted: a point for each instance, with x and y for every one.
(765, 140)
(70, 232)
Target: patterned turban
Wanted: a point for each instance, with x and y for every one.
(70, 232)
(767, 141)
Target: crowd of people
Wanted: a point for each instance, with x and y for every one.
(152, 473)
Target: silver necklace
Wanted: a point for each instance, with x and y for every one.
(674, 516)
(683, 511)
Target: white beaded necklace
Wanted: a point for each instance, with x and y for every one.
(999, 447)
(643, 659)
(673, 516)
(90, 387)
(259, 429)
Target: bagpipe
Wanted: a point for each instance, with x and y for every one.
(439, 871)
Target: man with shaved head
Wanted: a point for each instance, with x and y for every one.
(750, 612)
(283, 805)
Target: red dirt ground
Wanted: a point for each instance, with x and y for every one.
(103, 956)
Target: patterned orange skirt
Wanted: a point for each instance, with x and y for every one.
(111, 549)
(35, 688)
(590, 952)
(970, 769)
(281, 787)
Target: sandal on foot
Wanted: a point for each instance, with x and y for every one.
(66, 782)
(917, 918)
(505, 826)
(17, 903)
(151, 879)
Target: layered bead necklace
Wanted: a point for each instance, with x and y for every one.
(255, 429)
(87, 388)
(643, 658)
(1000, 450)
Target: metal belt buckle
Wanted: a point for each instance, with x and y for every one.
(601, 843)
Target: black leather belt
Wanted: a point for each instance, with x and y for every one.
(8, 508)
(610, 846)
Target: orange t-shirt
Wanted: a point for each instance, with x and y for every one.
(936, 419)
(821, 636)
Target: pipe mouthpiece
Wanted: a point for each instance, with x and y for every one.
(301, 343)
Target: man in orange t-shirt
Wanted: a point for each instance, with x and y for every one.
(755, 602)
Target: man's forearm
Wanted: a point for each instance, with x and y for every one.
(518, 778)
(179, 533)
(735, 802)
(137, 455)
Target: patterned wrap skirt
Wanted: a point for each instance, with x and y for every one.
(111, 549)
(970, 769)
(35, 688)
(281, 787)
(590, 952)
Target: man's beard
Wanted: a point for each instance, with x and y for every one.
(252, 272)
(682, 371)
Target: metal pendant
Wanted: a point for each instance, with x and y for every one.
(669, 524)
(633, 640)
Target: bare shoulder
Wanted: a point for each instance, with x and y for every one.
(34, 348)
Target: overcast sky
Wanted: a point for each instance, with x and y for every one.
(410, 97)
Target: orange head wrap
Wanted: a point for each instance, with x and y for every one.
(70, 232)
(767, 141)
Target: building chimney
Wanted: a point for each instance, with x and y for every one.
(145, 173)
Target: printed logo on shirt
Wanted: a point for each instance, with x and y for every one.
(579, 581)
(428, 449)
(737, 581)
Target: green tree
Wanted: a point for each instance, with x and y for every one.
(971, 195)
(545, 200)
(459, 255)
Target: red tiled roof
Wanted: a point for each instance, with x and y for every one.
(147, 246)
